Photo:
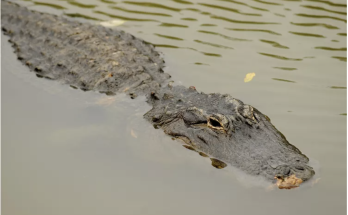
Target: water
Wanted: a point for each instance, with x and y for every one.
(65, 151)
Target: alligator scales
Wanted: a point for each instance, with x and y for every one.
(92, 57)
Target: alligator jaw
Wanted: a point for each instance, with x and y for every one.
(289, 177)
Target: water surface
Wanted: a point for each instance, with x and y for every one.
(66, 151)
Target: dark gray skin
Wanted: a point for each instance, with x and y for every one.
(227, 129)
(93, 57)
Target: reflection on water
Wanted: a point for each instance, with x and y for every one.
(73, 152)
(55, 6)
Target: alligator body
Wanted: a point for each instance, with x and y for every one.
(92, 57)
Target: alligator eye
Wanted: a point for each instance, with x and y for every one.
(214, 123)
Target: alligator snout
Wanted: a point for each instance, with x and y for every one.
(291, 176)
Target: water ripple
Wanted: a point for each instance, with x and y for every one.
(154, 5)
(274, 44)
(286, 68)
(315, 24)
(78, 15)
(340, 58)
(208, 25)
(324, 9)
(229, 9)
(139, 12)
(168, 37)
(124, 18)
(329, 3)
(78, 4)
(189, 19)
(284, 80)
(266, 2)
(223, 36)
(212, 44)
(331, 49)
(182, 2)
(173, 25)
(211, 54)
(280, 57)
(243, 22)
(306, 34)
(320, 17)
(338, 87)
(58, 7)
(244, 4)
(253, 30)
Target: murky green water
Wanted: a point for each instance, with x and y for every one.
(65, 151)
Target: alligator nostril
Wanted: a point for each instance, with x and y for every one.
(299, 168)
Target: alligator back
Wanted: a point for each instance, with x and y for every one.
(85, 56)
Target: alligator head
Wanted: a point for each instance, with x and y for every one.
(230, 131)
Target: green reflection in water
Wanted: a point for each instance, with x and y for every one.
(223, 36)
(75, 3)
(344, 59)
(320, 17)
(211, 54)
(284, 80)
(329, 3)
(189, 19)
(182, 2)
(332, 49)
(277, 14)
(108, 2)
(168, 37)
(166, 46)
(336, 41)
(337, 87)
(205, 13)
(154, 5)
(274, 44)
(342, 34)
(280, 57)
(285, 68)
(178, 47)
(192, 9)
(266, 2)
(324, 9)
(173, 25)
(139, 12)
(78, 15)
(242, 3)
(243, 22)
(212, 44)
(50, 5)
(198, 63)
(343, 114)
(208, 25)
(253, 30)
(229, 9)
(306, 34)
(124, 18)
(315, 24)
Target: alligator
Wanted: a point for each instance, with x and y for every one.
(111, 61)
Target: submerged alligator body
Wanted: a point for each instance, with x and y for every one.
(92, 57)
